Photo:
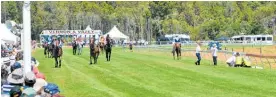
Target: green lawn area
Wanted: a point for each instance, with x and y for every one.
(148, 73)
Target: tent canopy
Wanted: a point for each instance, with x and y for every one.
(88, 28)
(7, 35)
(116, 34)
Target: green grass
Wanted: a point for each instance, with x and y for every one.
(148, 73)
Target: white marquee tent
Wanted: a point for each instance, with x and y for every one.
(116, 34)
(7, 35)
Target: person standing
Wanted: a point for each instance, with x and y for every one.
(214, 51)
(198, 49)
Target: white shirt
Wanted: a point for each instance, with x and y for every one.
(198, 49)
(214, 51)
(231, 59)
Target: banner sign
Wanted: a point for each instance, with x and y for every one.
(70, 32)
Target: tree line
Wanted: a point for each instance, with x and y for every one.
(149, 19)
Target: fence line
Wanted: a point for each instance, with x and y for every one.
(256, 60)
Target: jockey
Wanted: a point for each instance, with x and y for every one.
(60, 41)
(176, 41)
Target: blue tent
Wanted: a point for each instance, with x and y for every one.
(210, 45)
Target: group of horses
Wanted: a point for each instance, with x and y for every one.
(96, 48)
(53, 50)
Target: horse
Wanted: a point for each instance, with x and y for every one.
(57, 53)
(177, 50)
(108, 48)
(45, 46)
(94, 51)
(50, 48)
(101, 44)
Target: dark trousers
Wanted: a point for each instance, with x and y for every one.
(57, 62)
(108, 54)
(74, 50)
(198, 58)
(215, 60)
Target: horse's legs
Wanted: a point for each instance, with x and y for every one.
(106, 53)
(95, 58)
(90, 59)
(59, 62)
(109, 55)
(56, 62)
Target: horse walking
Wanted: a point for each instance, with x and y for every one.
(108, 48)
(102, 45)
(177, 50)
(45, 46)
(94, 51)
(50, 48)
(57, 52)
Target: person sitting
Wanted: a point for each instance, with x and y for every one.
(239, 60)
(231, 61)
(28, 92)
(16, 91)
(16, 78)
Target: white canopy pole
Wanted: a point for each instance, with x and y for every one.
(27, 36)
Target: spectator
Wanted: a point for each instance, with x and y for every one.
(51, 88)
(40, 75)
(16, 77)
(16, 65)
(30, 79)
(16, 91)
(198, 53)
(4, 74)
(238, 60)
(39, 86)
(231, 61)
(214, 53)
(28, 92)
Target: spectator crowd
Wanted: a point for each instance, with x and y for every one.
(16, 83)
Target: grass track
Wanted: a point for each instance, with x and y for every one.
(147, 73)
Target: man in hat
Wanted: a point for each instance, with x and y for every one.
(214, 51)
(16, 78)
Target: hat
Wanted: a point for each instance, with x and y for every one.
(17, 90)
(30, 78)
(40, 75)
(16, 77)
(51, 88)
(16, 65)
(28, 92)
(39, 84)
